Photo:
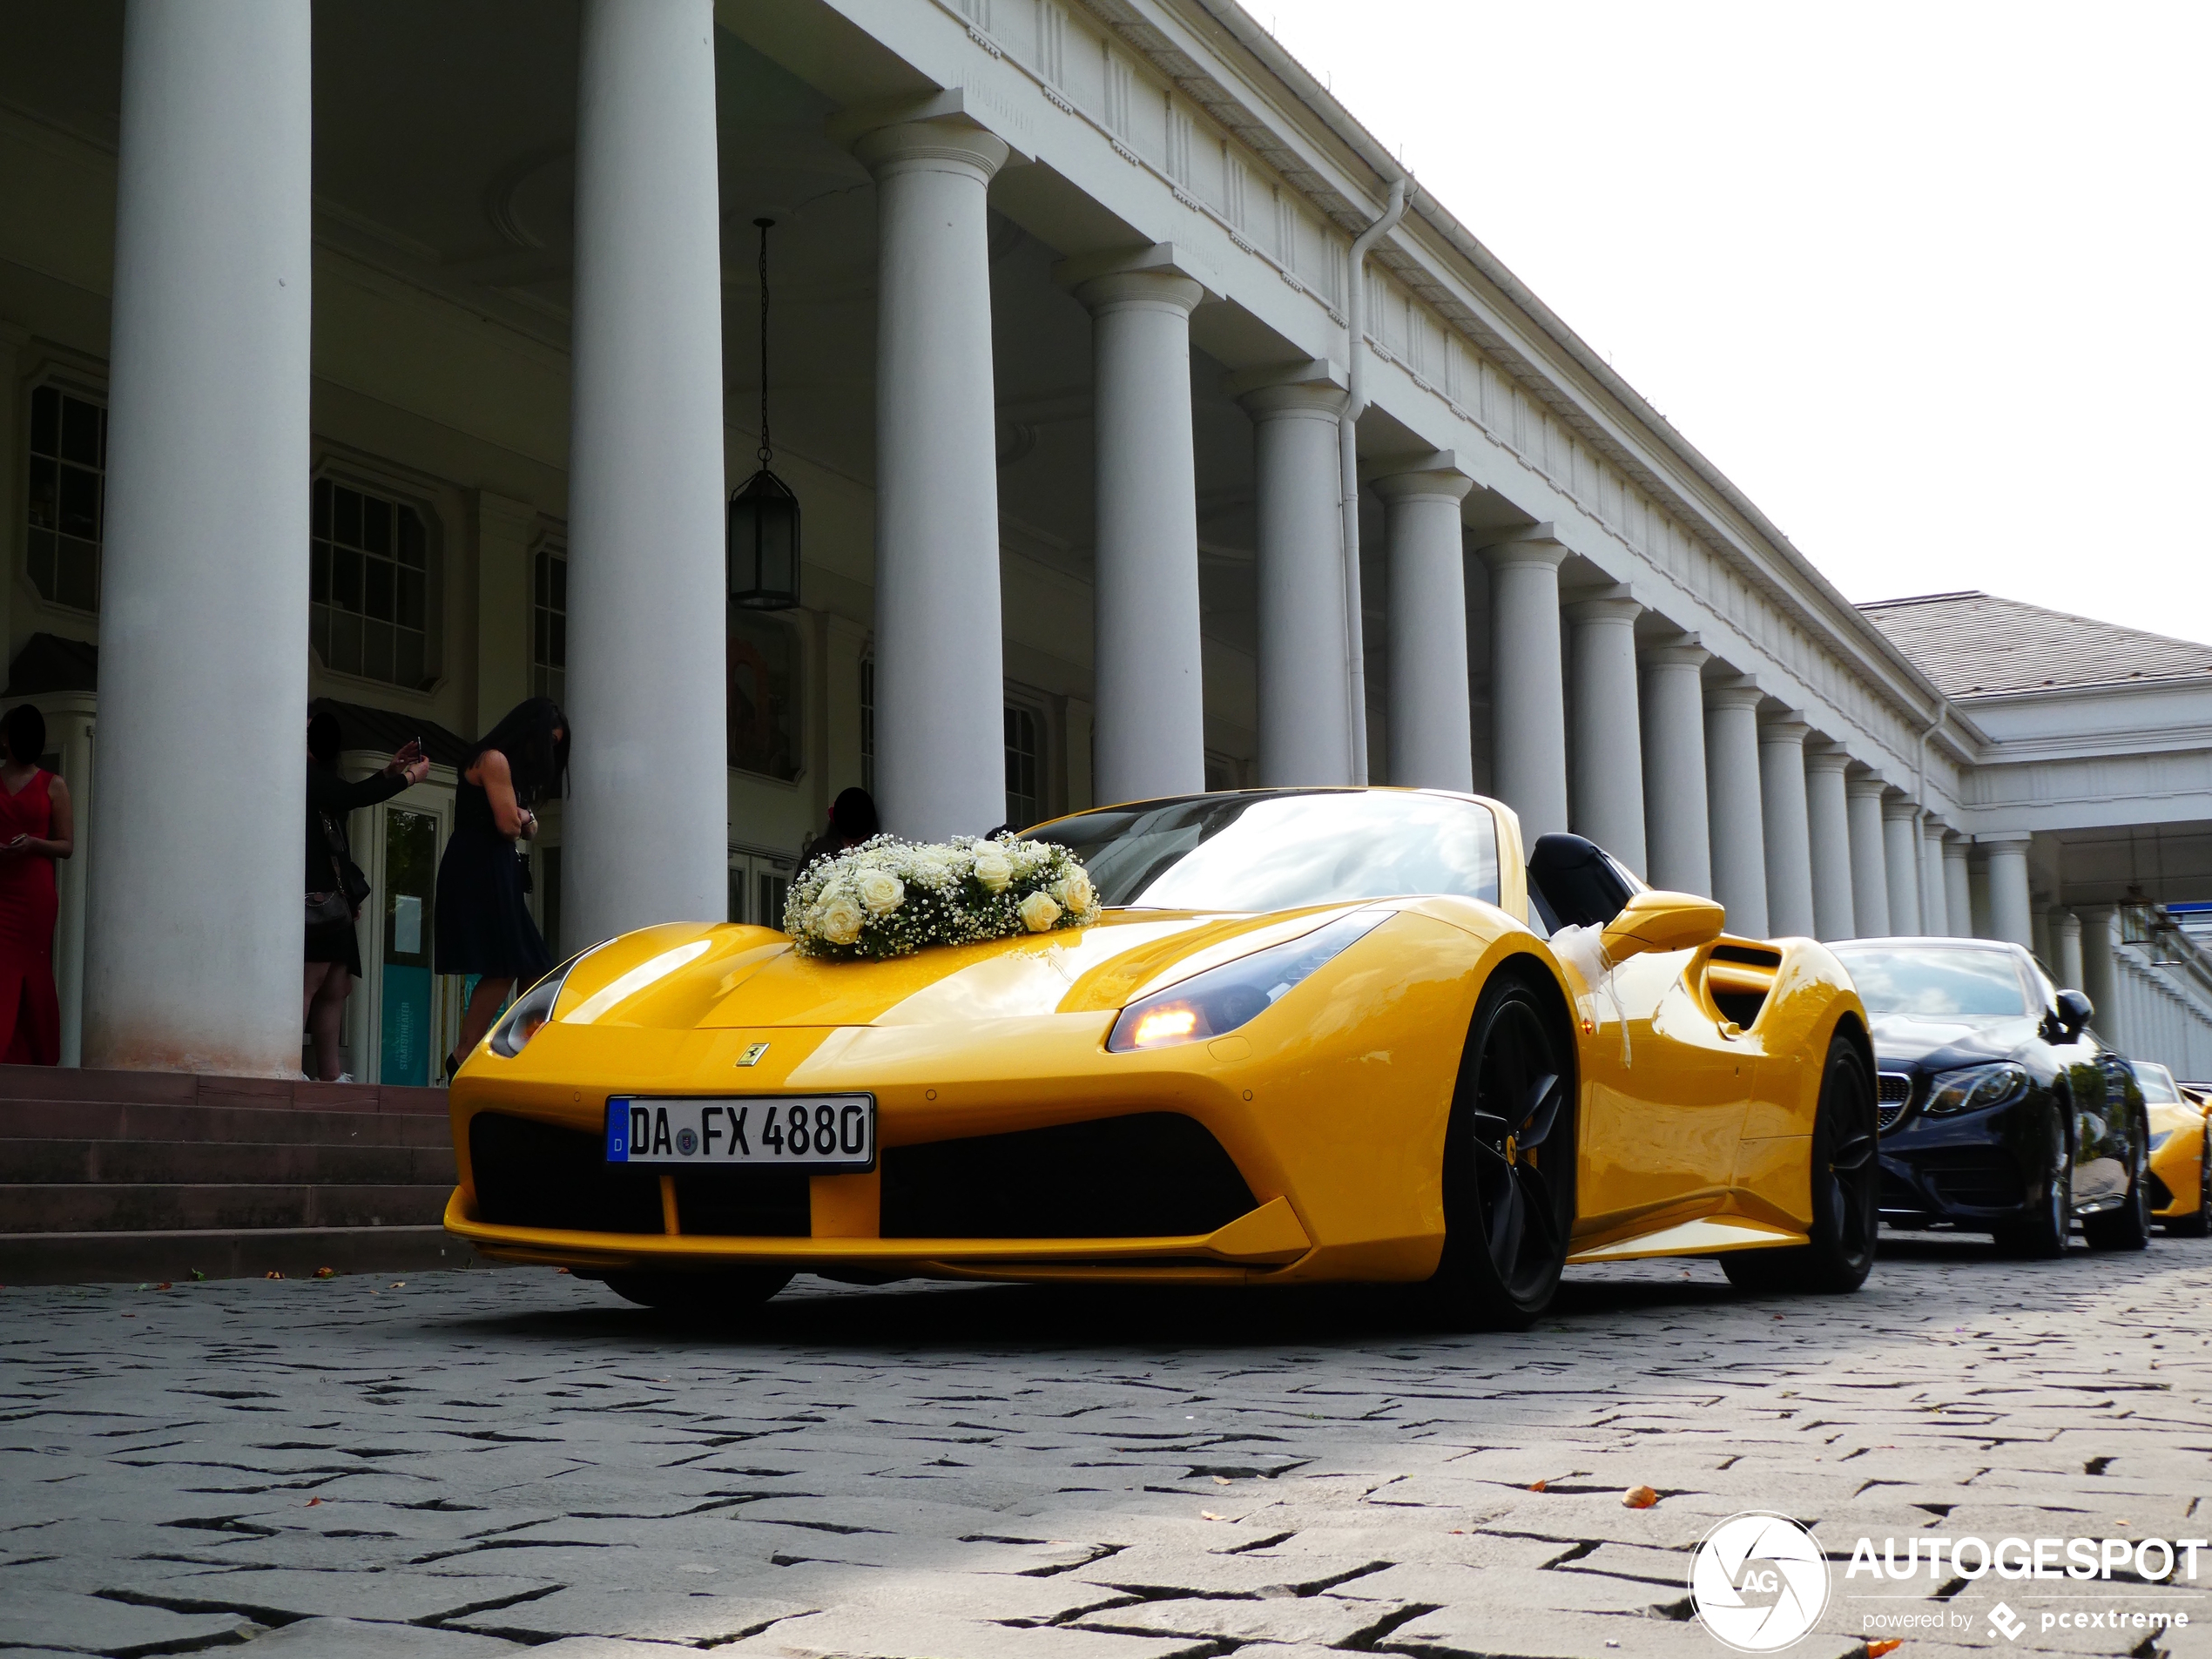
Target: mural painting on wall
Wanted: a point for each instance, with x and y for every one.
(764, 720)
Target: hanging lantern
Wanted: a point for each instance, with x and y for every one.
(761, 529)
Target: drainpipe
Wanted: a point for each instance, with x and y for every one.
(1348, 467)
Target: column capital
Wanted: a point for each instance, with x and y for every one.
(1680, 652)
(1864, 785)
(1899, 808)
(2003, 838)
(1827, 757)
(1785, 727)
(1435, 476)
(1315, 388)
(2065, 921)
(1162, 274)
(1537, 544)
(1934, 829)
(947, 142)
(1613, 605)
(1737, 691)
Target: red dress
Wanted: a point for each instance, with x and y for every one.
(30, 1009)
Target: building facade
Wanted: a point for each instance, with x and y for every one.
(402, 356)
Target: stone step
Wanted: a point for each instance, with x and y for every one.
(168, 1207)
(108, 1256)
(53, 1161)
(192, 1088)
(88, 1119)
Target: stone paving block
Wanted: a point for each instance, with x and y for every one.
(46, 1618)
(1002, 1597)
(607, 1647)
(278, 1595)
(1438, 1582)
(360, 1639)
(693, 1616)
(869, 1633)
(1319, 1620)
(1154, 1569)
(1472, 1631)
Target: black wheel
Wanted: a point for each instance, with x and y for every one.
(1509, 1159)
(2041, 1235)
(700, 1294)
(2128, 1227)
(2198, 1223)
(1846, 1202)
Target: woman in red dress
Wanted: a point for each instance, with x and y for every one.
(37, 826)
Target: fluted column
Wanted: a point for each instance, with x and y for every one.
(1676, 829)
(1606, 749)
(1733, 792)
(2065, 948)
(648, 628)
(1789, 835)
(2100, 980)
(1901, 846)
(1869, 882)
(1149, 736)
(1828, 820)
(193, 939)
(1958, 890)
(1527, 684)
(940, 687)
(1432, 744)
(1305, 698)
(2009, 904)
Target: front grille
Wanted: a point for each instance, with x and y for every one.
(1892, 1094)
(530, 1174)
(1974, 1178)
(1150, 1175)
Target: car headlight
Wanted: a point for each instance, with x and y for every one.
(2160, 1139)
(1221, 998)
(1975, 1087)
(531, 1010)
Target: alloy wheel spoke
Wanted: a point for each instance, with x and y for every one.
(1852, 1154)
(1544, 1102)
(1505, 1223)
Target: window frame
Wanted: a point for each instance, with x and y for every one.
(69, 381)
(346, 473)
(548, 545)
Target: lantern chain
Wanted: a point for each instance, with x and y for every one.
(767, 450)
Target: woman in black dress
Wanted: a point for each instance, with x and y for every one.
(334, 950)
(484, 923)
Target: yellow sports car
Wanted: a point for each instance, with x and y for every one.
(1315, 1035)
(2181, 1151)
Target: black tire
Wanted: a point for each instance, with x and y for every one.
(1846, 1198)
(2128, 1227)
(2042, 1235)
(702, 1295)
(1509, 1159)
(2198, 1223)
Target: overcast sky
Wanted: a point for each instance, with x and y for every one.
(1928, 281)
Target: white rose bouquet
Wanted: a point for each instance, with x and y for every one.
(891, 897)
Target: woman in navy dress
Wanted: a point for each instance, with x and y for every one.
(483, 921)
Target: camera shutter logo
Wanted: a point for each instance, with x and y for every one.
(1759, 1582)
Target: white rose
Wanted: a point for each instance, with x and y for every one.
(1038, 912)
(993, 870)
(838, 920)
(1075, 890)
(879, 891)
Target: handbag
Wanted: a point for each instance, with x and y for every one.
(345, 903)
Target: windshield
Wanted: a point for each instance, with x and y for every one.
(2157, 1084)
(1936, 981)
(1279, 851)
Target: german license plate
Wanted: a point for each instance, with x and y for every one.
(815, 1133)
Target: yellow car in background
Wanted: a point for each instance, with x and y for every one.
(2181, 1151)
(1316, 1035)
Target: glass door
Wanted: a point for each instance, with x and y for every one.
(406, 1022)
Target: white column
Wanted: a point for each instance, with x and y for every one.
(1732, 804)
(1527, 684)
(1606, 747)
(1958, 895)
(194, 924)
(1676, 829)
(1789, 835)
(2065, 948)
(1432, 744)
(2100, 980)
(1305, 734)
(940, 683)
(2008, 896)
(1828, 821)
(1933, 830)
(1901, 856)
(645, 838)
(1869, 882)
(1151, 731)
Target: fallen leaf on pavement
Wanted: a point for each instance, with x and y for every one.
(312, 1502)
(163, 1285)
(273, 1273)
(1887, 1644)
(1208, 1515)
(1639, 1497)
(325, 1272)
(1541, 1486)
(1223, 1480)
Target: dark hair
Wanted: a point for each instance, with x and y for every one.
(324, 738)
(536, 760)
(853, 815)
(24, 728)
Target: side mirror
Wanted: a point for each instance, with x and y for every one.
(1654, 920)
(2075, 1011)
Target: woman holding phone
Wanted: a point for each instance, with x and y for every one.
(482, 918)
(333, 951)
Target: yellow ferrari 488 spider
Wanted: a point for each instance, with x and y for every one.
(1315, 1035)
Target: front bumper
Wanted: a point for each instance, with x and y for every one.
(2177, 1173)
(1975, 1170)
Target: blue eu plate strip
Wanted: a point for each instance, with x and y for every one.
(617, 1131)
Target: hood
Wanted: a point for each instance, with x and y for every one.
(690, 976)
(1941, 1045)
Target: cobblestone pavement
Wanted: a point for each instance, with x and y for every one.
(470, 1461)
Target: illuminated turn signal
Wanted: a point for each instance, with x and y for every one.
(1170, 1024)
